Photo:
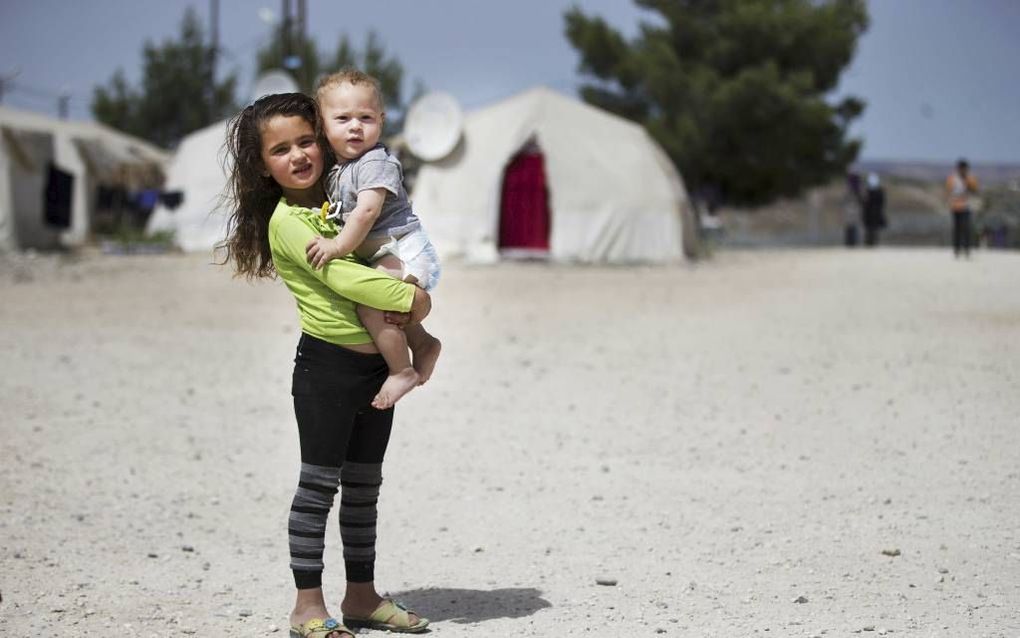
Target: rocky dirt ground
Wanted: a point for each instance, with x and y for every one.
(796, 443)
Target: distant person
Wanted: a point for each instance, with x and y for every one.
(873, 215)
(852, 203)
(710, 198)
(278, 195)
(367, 196)
(961, 192)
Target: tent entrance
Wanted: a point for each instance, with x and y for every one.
(524, 206)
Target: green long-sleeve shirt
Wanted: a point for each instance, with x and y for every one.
(327, 298)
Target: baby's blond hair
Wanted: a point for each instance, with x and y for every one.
(349, 76)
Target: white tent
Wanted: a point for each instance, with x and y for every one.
(24, 157)
(90, 152)
(197, 172)
(613, 194)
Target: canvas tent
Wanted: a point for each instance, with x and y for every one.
(613, 194)
(197, 172)
(36, 149)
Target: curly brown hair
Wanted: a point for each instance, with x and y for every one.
(349, 76)
(251, 195)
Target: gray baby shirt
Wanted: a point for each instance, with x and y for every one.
(377, 168)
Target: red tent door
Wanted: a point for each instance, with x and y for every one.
(524, 206)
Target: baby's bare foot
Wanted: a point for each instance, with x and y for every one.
(426, 353)
(396, 385)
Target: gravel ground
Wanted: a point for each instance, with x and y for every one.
(789, 443)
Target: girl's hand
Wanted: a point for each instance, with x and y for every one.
(421, 306)
(320, 251)
(400, 319)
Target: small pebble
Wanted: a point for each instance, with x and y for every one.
(244, 613)
(800, 599)
(608, 582)
(891, 552)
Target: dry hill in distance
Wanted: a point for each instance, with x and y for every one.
(915, 207)
(990, 174)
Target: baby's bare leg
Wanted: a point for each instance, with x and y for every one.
(425, 349)
(424, 346)
(392, 344)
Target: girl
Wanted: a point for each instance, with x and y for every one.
(276, 195)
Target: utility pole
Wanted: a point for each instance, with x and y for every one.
(285, 24)
(63, 102)
(293, 23)
(214, 50)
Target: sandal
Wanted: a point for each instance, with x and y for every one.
(388, 616)
(319, 628)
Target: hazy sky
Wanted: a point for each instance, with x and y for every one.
(939, 76)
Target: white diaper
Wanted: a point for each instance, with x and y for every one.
(417, 254)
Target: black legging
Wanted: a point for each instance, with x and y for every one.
(343, 441)
(961, 232)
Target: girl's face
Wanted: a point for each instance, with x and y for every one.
(291, 154)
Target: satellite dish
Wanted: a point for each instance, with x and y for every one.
(433, 126)
(273, 82)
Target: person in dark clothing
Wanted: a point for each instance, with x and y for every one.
(852, 203)
(961, 192)
(874, 210)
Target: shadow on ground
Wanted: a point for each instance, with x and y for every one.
(473, 605)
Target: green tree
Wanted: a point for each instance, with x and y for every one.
(178, 94)
(736, 91)
(371, 59)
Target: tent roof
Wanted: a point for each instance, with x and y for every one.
(104, 148)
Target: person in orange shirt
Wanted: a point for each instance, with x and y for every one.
(961, 189)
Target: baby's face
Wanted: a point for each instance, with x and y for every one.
(352, 118)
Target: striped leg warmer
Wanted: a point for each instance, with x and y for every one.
(360, 483)
(307, 525)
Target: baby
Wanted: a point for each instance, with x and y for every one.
(366, 191)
